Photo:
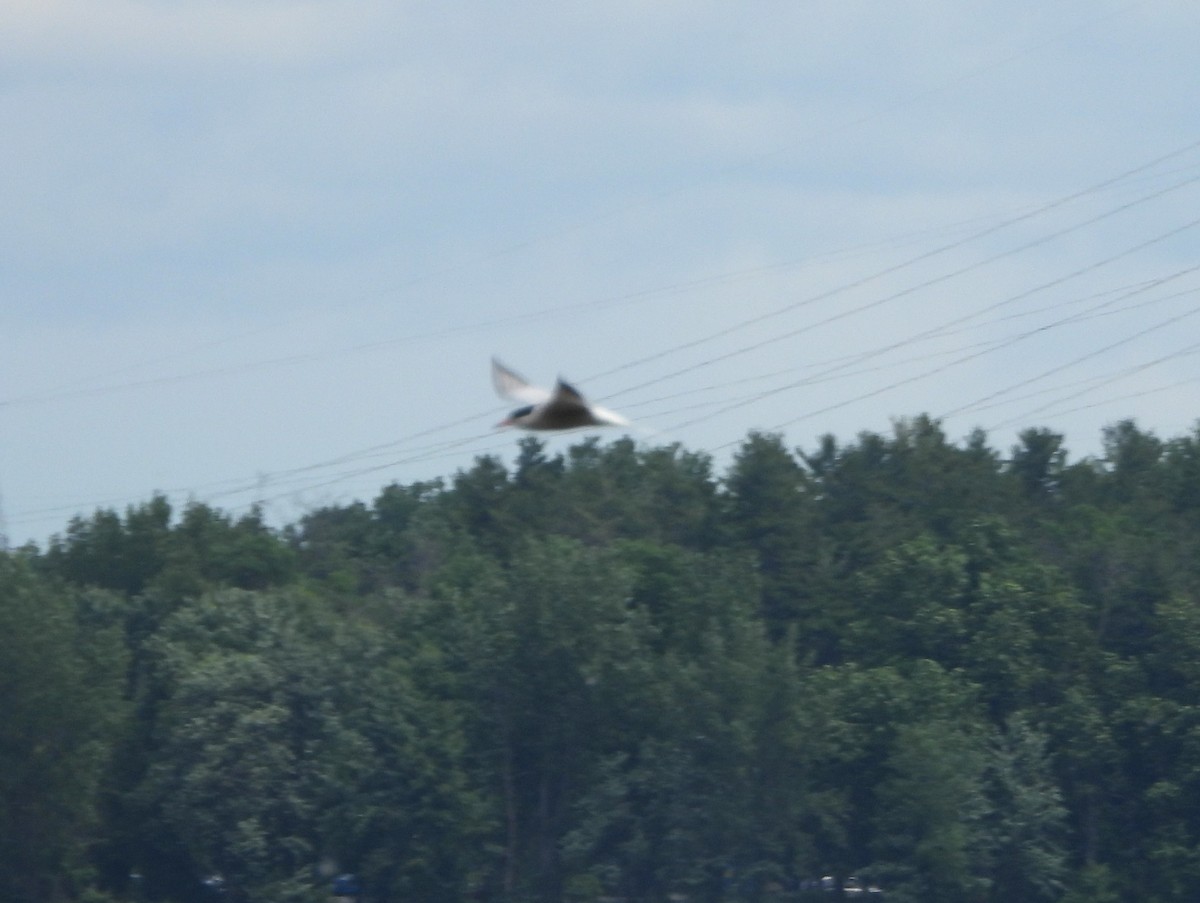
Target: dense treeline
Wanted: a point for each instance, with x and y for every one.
(960, 674)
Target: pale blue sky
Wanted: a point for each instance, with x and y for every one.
(266, 249)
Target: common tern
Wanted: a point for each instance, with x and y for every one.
(542, 409)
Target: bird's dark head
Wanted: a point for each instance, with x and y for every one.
(516, 416)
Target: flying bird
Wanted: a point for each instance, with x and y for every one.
(542, 409)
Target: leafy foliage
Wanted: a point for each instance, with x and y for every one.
(614, 672)
(62, 713)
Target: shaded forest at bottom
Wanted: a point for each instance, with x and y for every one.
(958, 674)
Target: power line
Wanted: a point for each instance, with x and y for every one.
(878, 302)
(891, 346)
(1130, 395)
(832, 369)
(982, 403)
(1125, 374)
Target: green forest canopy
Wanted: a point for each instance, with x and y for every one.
(958, 674)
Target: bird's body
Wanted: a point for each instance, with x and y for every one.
(564, 408)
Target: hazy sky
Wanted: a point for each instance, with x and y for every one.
(265, 250)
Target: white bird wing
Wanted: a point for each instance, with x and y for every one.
(611, 417)
(514, 387)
